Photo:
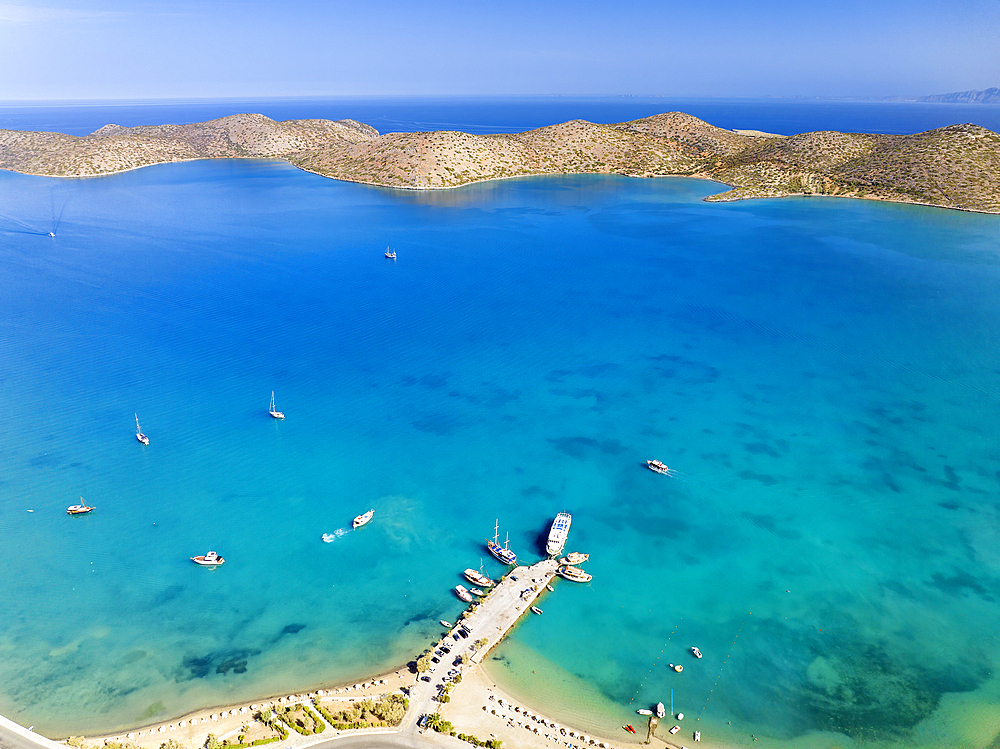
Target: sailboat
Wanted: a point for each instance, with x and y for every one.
(503, 553)
(390, 255)
(273, 411)
(138, 432)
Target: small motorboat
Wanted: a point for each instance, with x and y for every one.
(550, 589)
(660, 710)
(80, 509)
(211, 559)
(446, 624)
(462, 593)
(658, 466)
(363, 519)
(390, 255)
(644, 711)
(675, 729)
(535, 610)
(695, 652)
(271, 409)
(697, 735)
(476, 592)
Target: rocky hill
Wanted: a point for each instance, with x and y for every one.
(955, 167)
(986, 96)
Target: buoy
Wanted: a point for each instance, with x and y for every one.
(680, 716)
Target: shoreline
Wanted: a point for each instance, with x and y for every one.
(716, 198)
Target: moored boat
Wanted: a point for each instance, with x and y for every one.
(660, 710)
(535, 610)
(503, 553)
(80, 509)
(575, 557)
(574, 574)
(273, 410)
(446, 624)
(644, 711)
(558, 534)
(695, 652)
(211, 559)
(462, 593)
(363, 519)
(477, 592)
(550, 589)
(477, 577)
(138, 432)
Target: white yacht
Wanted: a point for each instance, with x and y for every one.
(363, 519)
(574, 574)
(462, 593)
(138, 432)
(558, 534)
(211, 559)
(274, 411)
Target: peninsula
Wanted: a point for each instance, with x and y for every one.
(952, 167)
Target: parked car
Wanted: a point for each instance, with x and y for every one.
(422, 722)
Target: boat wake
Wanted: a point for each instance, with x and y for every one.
(331, 537)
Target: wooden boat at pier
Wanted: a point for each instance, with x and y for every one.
(503, 553)
(574, 557)
(574, 574)
(478, 577)
(463, 593)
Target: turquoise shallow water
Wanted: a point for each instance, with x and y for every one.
(822, 373)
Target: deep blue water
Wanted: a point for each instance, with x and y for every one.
(510, 114)
(824, 375)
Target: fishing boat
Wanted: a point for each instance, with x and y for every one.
(550, 589)
(558, 534)
(478, 577)
(390, 255)
(477, 592)
(80, 509)
(644, 711)
(503, 553)
(138, 432)
(659, 467)
(695, 652)
(274, 411)
(363, 519)
(462, 593)
(574, 557)
(535, 610)
(446, 624)
(574, 574)
(211, 559)
(660, 710)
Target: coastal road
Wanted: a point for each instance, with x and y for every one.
(14, 736)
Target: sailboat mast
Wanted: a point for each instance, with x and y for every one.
(496, 532)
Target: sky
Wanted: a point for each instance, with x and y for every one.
(138, 49)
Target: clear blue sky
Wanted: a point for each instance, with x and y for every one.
(101, 49)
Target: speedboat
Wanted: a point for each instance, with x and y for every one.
(535, 610)
(697, 735)
(660, 710)
(462, 593)
(477, 592)
(644, 711)
(659, 467)
(574, 574)
(558, 534)
(363, 519)
(80, 509)
(211, 559)
(695, 652)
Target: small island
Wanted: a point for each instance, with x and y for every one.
(952, 167)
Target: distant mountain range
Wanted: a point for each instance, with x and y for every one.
(986, 96)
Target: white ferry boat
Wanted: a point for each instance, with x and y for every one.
(363, 519)
(211, 559)
(574, 574)
(558, 534)
(462, 593)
